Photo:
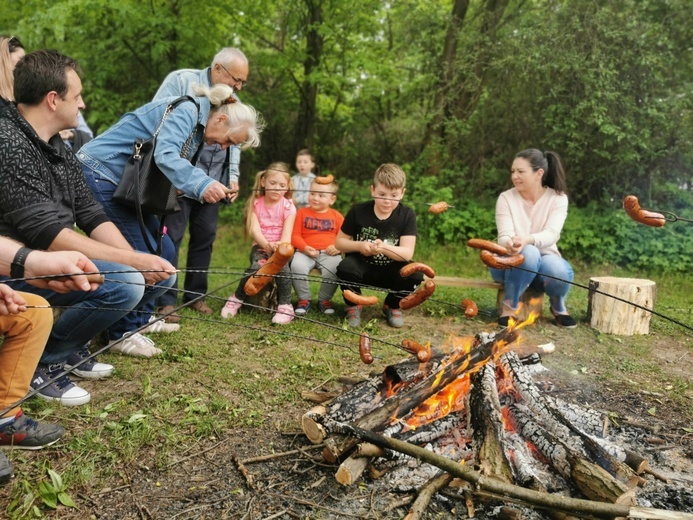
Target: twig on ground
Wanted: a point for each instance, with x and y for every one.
(313, 504)
(426, 493)
(277, 515)
(195, 454)
(263, 458)
(244, 471)
(656, 474)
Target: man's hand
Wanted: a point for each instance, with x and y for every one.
(214, 193)
(160, 269)
(11, 302)
(41, 263)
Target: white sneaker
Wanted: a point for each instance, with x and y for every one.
(135, 344)
(90, 369)
(159, 325)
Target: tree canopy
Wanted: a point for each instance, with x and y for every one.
(451, 89)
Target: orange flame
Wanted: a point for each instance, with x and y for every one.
(449, 399)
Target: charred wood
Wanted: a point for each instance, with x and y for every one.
(425, 495)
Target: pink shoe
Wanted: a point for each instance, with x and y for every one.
(285, 313)
(231, 307)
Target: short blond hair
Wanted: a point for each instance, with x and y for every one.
(391, 176)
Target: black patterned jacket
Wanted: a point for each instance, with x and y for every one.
(42, 187)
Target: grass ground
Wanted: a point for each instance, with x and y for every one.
(240, 382)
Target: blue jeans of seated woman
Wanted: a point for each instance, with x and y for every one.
(87, 313)
(517, 281)
(125, 219)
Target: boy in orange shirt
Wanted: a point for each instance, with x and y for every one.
(315, 231)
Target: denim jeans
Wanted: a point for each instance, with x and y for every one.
(125, 219)
(202, 219)
(89, 313)
(517, 281)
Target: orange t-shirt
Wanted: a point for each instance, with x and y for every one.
(318, 230)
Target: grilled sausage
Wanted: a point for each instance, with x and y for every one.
(359, 299)
(365, 348)
(438, 207)
(487, 245)
(470, 308)
(413, 267)
(327, 179)
(423, 354)
(501, 262)
(634, 211)
(422, 293)
(271, 268)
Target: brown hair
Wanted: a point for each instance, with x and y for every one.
(550, 162)
(391, 176)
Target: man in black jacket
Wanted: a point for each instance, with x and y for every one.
(43, 195)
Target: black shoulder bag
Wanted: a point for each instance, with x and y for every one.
(145, 187)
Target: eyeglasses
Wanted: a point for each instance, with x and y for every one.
(236, 80)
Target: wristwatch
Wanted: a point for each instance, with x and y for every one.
(17, 266)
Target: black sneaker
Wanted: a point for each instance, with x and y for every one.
(5, 469)
(503, 321)
(90, 369)
(26, 434)
(565, 320)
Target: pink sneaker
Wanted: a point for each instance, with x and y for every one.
(231, 307)
(285, 313)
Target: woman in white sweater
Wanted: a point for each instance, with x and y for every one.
(529, 218)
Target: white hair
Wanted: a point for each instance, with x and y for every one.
(229, 55)
(240, 116)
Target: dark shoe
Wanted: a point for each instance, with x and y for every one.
(302, 307)
(26, 434)
(169, 311)
(325, 307)
(61, 389)
(353, 315)
(565, 320)
(5, 469)
(394, 317)
(201, 307)
(503, 321)
(87, 369)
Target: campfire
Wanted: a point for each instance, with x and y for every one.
(474, 407)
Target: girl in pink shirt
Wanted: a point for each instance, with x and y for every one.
(270, 216)
(529, 218)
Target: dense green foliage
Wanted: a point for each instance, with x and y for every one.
(451, 89)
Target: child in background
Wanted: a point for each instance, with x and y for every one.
(302, 181)
(269, 216)
(379, 238)
(315, 231)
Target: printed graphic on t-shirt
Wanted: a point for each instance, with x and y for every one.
(370, 234)
(319, 224)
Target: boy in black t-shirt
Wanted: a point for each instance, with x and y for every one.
(379, 238)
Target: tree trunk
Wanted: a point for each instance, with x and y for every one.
(305, 135)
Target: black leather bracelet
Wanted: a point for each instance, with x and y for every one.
(17, 267)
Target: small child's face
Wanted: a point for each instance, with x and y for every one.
(276, 185)
(304, 164)
(321, 197)
(386, 199)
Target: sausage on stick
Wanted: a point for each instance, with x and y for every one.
(272, 267)
(634, 211)
(422, 293)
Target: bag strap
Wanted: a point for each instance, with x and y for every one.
(173, 104)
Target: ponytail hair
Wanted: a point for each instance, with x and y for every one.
(550, 162)
(240, 116)
(259, 191)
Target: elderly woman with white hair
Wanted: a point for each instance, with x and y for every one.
(213, 117)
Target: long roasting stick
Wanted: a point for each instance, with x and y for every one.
(567, 504)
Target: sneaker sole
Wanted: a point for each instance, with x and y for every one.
(300, 313)
(30, 448)
(74, 401)
(329, 312)
(90, 374)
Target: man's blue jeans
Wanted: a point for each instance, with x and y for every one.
(125, 219)
(88, 313)
(517, 281)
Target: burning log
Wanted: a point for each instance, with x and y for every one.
(552, 502)
(486, 425)
(551, 419)
(460, 362)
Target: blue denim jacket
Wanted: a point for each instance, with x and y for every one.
(180, 83)
(108, 153)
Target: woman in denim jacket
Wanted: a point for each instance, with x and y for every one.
(214, 118)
